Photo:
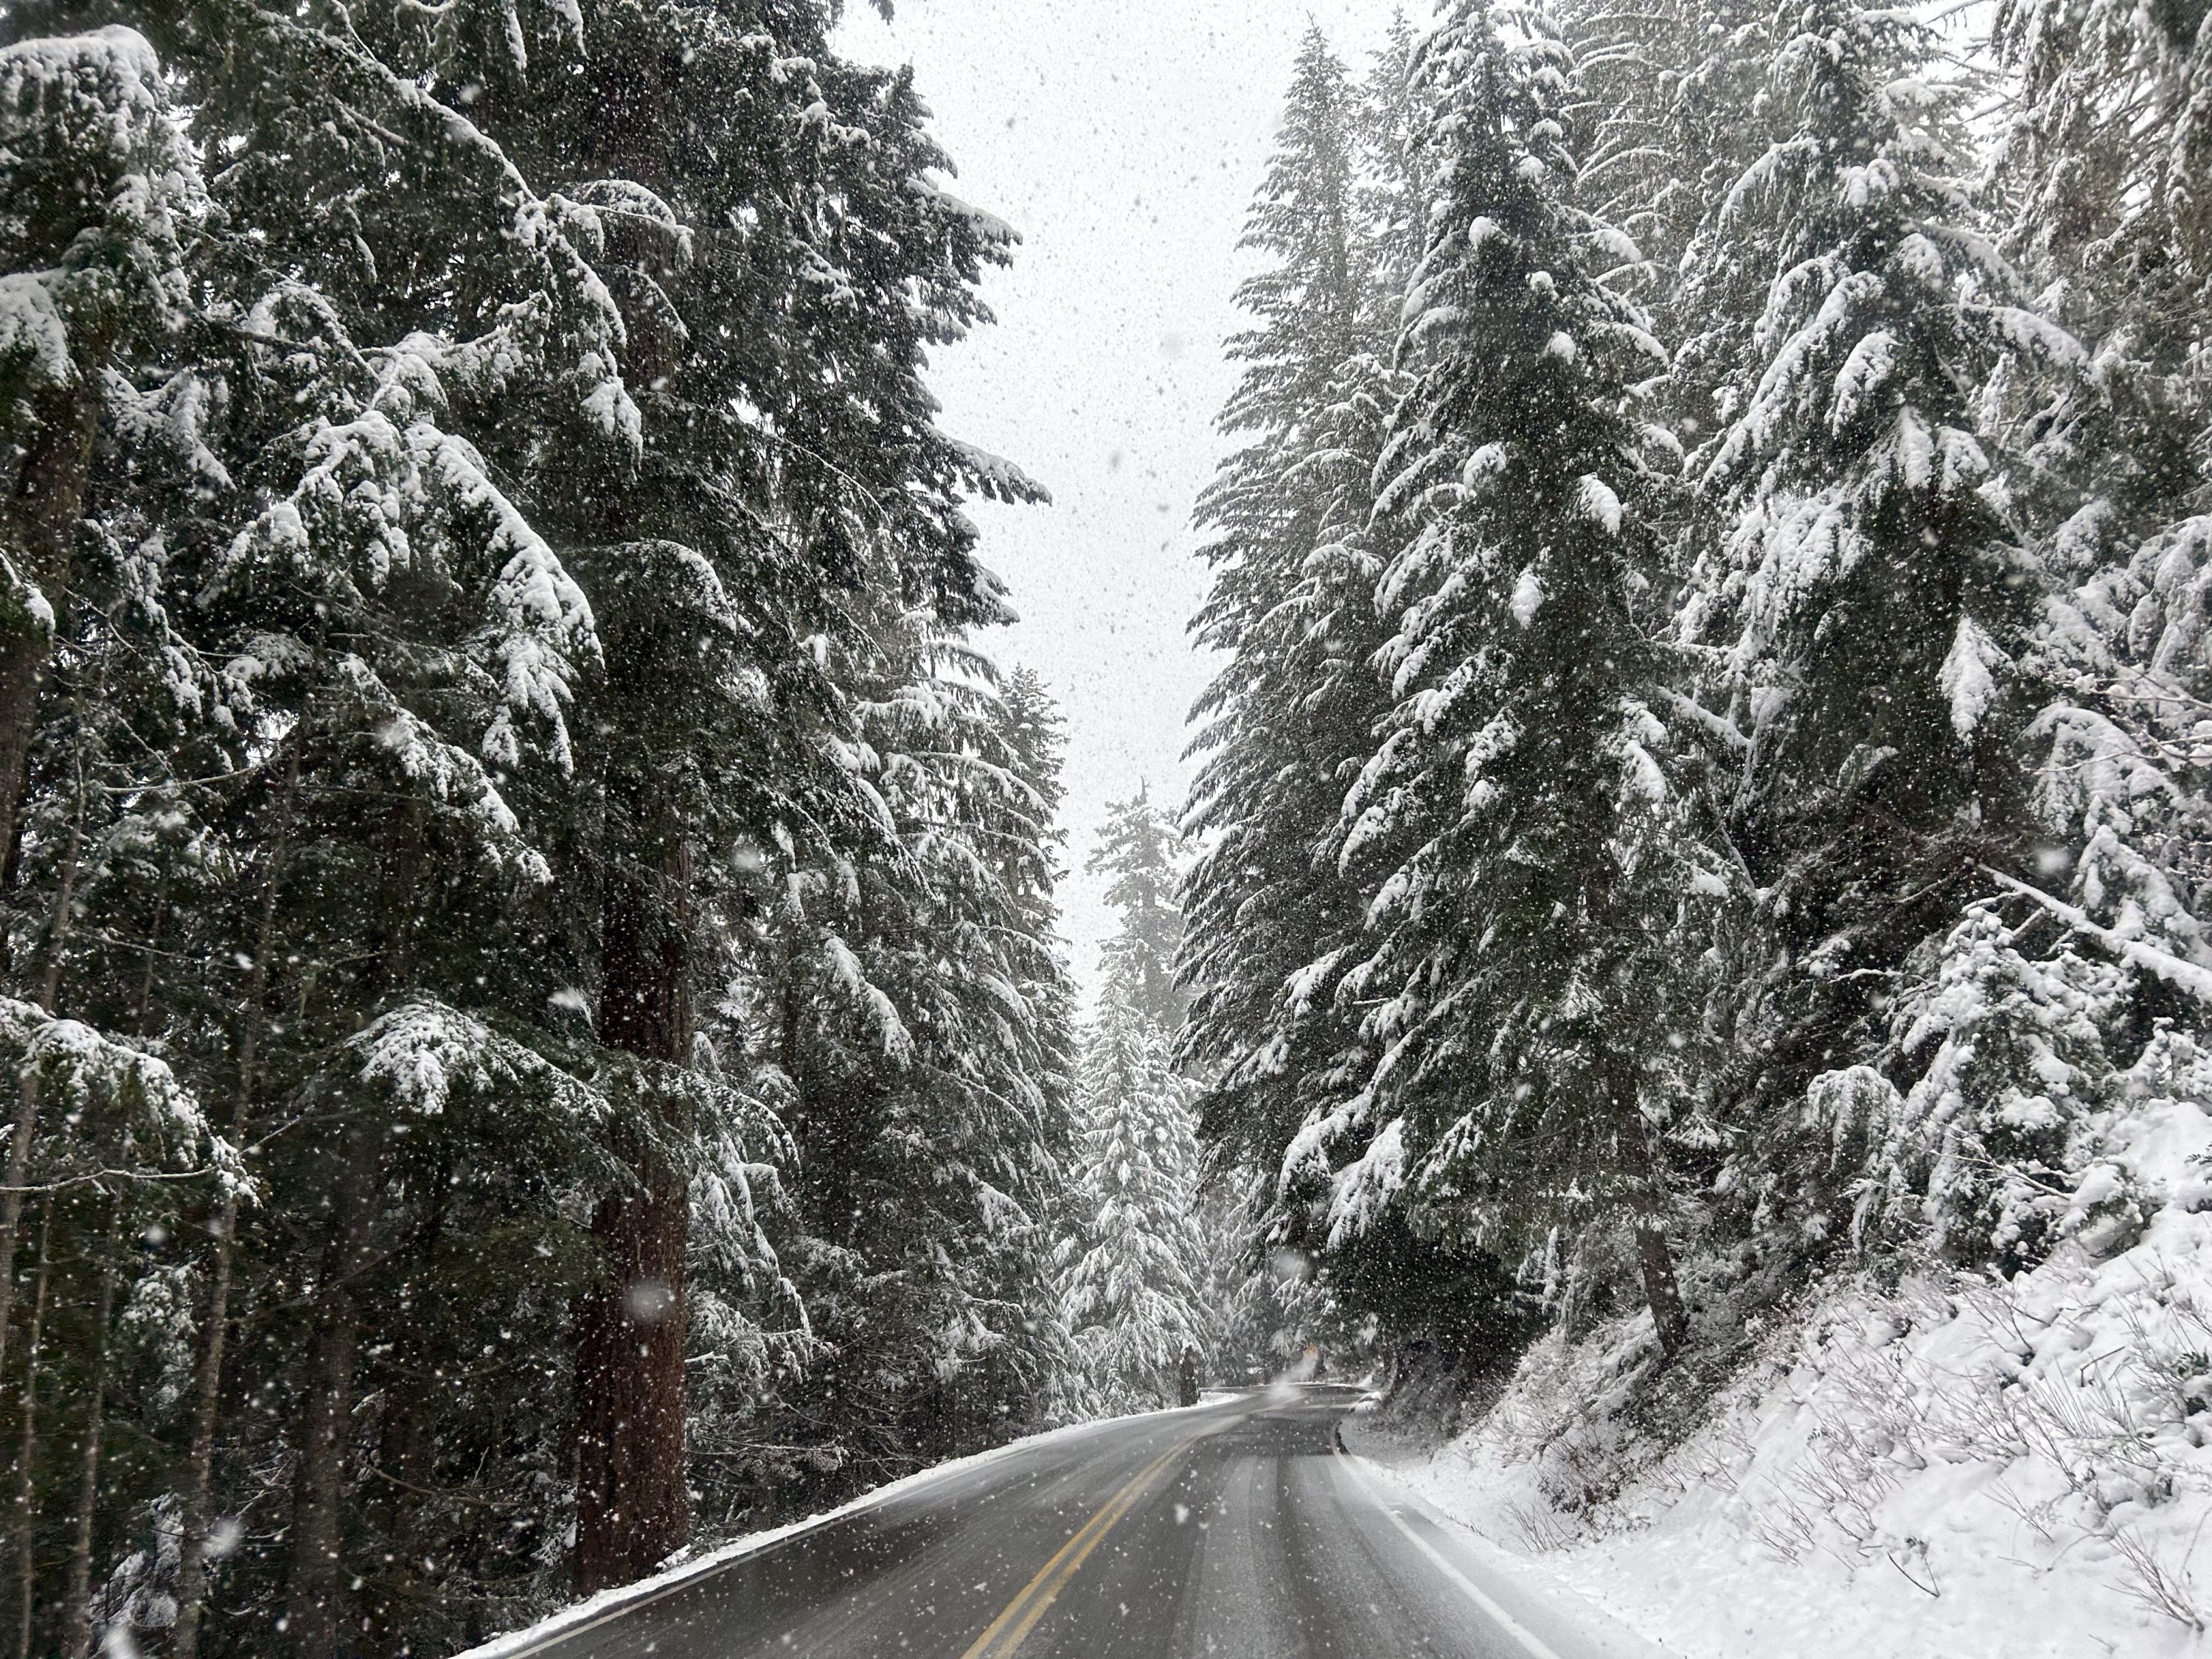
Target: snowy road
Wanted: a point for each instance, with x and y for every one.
(1235, 1530)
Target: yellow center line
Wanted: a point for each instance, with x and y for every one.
(1005, 1634)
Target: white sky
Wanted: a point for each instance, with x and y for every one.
(1124, 141)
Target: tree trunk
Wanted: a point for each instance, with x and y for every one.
(27, 1486)
(79, 1641)
(27, 1086)
(1648, 1217)
(315, 1599)
(1656, 1258)
(207, 1381)
(632, 1505)
(38, 524)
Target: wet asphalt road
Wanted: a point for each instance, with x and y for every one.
(1236, 1530)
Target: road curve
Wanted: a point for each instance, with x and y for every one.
(1236, 1530)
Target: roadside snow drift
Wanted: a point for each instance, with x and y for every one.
(1961, 1465)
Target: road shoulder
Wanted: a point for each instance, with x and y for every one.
(1545, 1616)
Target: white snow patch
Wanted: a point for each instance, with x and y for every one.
(1597, 500)
(1966, 679)
(1528, 595)
(1963, 1466)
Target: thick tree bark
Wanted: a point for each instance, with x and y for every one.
(1648, 1217)
(633, 1508)
(207, 1381)
(315, 1600)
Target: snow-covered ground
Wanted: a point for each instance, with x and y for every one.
(1959, 1465)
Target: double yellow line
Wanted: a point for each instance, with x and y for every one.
(1006, 1634)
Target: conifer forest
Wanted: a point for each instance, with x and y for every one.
(538, 1029)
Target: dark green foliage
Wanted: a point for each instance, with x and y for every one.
(1756, 692)
(509, 746)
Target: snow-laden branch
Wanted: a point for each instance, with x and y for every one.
(1717, 726)
(2184, 975)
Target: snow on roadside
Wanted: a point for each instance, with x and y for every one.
(1957, 1466)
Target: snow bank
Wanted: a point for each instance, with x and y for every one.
(1957, 1466)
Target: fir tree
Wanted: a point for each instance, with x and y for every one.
(1292, 607)
(491, 596)
(1870, 600)
(1514, 813)
(1139, 847)
(1133, 1273)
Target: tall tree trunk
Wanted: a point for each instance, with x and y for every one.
(1646, 1194)
(27, 1485)
(38, 524)
(207, 1381)
(27, 1086)
(315, 1600)
(78, 1643)
(632, 1505)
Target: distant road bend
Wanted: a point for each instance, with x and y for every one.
(1236, 1530)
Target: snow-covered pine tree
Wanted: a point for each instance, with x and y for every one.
(1027, 855)
(98, 197)
(795, 504)
(1392, 190)
(2109, 466)
(1674, 99)
(2108, 214)
(920, 1020)
(2018, 1045)
(1291, 609)
(1134, 1272)
(470, 495)
(1524, 889)
(1140, 848)
(1870, 600)
(377, 631)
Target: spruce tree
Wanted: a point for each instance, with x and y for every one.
(491, 592)
(1139, 847)
(1515, 810)
(1867, 609)
(1133, 1272)
(1292, 608)
(2108, 465)
(920, 1019)
(795, 520)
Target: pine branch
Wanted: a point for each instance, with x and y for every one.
(2183, 975)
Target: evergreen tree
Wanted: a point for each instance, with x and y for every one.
(1870, 601)
(1134, 1272)
(1514, 813)
(1393, 193)
(920, 1018)
(2108, 466)
(1291, 609)
(1139, 847)
(491, 598)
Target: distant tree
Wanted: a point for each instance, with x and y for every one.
(1140, 848)
(1133, 1274)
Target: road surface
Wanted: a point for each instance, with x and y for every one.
(1235, 1530)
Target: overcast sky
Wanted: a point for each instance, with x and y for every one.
(1124, 141)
